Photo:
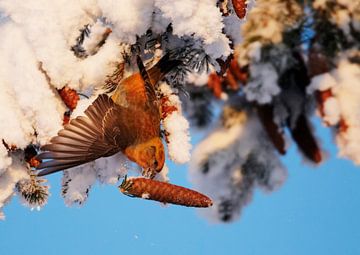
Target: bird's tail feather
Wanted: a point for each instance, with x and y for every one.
(162, 67)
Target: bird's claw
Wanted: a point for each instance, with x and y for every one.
(148, 173)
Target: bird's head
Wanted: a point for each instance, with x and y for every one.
(149, 155)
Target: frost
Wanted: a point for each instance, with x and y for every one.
(264, 84)
(176, 127)
(76, 183)
(8, 179)
(109, 170)
(321, 82)
(231, 162)
(202, 19)
(269, 91)
(129, 18)
(163, 175)
(5, 160)
(145, 195)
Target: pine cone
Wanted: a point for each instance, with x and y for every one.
(163, 192)
(241, 73)
(240, 8)
(305, 139)
(69, 96)
(266, 116)
(214, 83)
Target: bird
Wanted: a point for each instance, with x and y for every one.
(127, 121)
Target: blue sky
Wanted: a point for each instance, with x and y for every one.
(315, 212)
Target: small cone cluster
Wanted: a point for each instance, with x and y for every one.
(234, 74)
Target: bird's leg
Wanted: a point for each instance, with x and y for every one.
(148, 173)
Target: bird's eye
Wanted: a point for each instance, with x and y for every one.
(155, 163)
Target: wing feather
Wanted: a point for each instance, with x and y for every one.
(102, 132)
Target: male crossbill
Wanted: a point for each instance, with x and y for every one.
(128, 121)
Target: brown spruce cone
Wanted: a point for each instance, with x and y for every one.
(241, 73)
(240, 8)
(163, 192)
(214, 83)
(317, 63)
(69, 96)
(266, 116)
(305, 139)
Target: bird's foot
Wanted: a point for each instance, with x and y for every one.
(148, 173)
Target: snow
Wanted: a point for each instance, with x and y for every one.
(8, 179)
(263, 85)
(201, 19)
(76, 183)
(163, 175)
(129, 18)
(110, 169)
(321, 82)
(343, 13)
(42, 50)
(344, 105)
(145, 195)
(332, 113)
(176, 127)
(197, 79)
(5, 160)
(26, 93)
(232, 161)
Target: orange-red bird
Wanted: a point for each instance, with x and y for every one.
(128, 121)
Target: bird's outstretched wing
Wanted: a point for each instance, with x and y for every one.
(102, 132)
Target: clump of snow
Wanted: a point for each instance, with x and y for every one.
(5, 160)
(163, 175)
(145, 195)
(265, 25)
(321, 82)
(179, 145)
(129, 18)
(76, 183)
(232, 161)
(26, 90)
(110, 169)
(348, 95)
(198, 79)
(343, 107)
(343, 13)
(176, 127)
(200, 19)
(8, 179)
(263, 85)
